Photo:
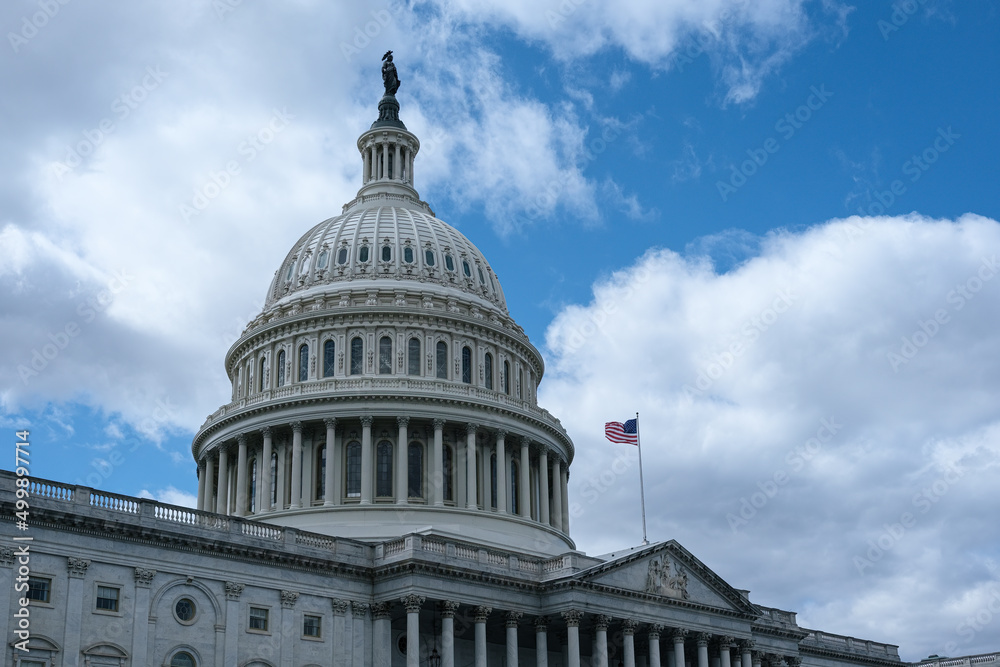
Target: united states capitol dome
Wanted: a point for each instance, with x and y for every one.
(384, 388)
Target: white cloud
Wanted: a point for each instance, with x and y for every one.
(795, 410)
(171, 496)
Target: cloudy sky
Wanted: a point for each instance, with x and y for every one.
(768, 227)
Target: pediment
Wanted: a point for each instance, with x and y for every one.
(667, 570)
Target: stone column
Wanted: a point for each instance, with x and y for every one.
(385, 161)
(222, 502)
(701, 639)
(757, 657)
(257, 471)
(367, 460)
(201, 486)
(513, 618)
(448, 609)
(397, 166)
(437, 465)
(573, 636)
(382, 633)
(481, 614)
(331, 461)
(366, 168)
(654, 645)
(502, 471)
(628, 641)
(401, 462)
(471, 501)
(601, 624)
(338, 467)
(308, 471)
(241, 475)
(77, 568)
(564, 490)
(140, 618)
(209, 504)
(232, 633)
(287, 636)
(746, 646)
(296, 465)
(361, 647)
(678, 636)
(725, 643)
(541, 642)
(557, 511)
(412, 603)
(340, 644)
(524, 485)
(279, 503)
(543, 485)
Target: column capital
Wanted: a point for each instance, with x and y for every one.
(572, 618)
(471, 428)
(241, 439)
(602, 621)
(382, 610)
(727, 642)
(339, 606)
(629, 626)
(296, 427)
(481, 613)
(412, 603)
(775, 660)
(77, 567)
(402, 421)
(288, 599)
(747, 644)
(448, 608)
(331, 422)
(512, 618)
(144, 577)
(360, 608)
(234, 590)
(678, 634)
(265, 431)
(654, 630)
(438, 424)
(702, 638)
(793, 660)
(757, 657)
(541, 623)
(525, 441)
(366, 421)
(502, 433)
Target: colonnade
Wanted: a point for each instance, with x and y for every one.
(388, 160)
(385, 461)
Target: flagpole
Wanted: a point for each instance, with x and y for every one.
(642, 490)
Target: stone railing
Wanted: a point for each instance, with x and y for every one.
(47, 494)
(843, 644)
(967, 661)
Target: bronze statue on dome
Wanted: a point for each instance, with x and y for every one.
(389, 77)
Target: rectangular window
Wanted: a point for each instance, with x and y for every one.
(40, 589)
(311, 625)
(258, 618)
(107, 598)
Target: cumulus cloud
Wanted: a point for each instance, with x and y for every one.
(171, 496)
(819, 421)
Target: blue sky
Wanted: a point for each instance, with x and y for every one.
(654, 183)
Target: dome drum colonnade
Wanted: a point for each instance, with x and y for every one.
(385, 370)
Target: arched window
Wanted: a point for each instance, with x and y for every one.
(329, 358)
(488, 369)
(182, 659)
(353, 467)
(514, 483)
(413, 357)
(467, 365)
(281, 368)
(520, 384)
(415, 470)
(383, 469)
(385, 355)
(251, 490)
(357, 355)
(441, 360)
(319, 478)
(493, 481)
(303, 363)
(263, 372)
(506, 377)
(447, 467)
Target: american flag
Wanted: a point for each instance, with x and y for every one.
(618, 432)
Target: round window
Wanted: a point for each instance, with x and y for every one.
(184, 610)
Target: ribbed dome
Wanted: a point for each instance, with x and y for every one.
(374, 246)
